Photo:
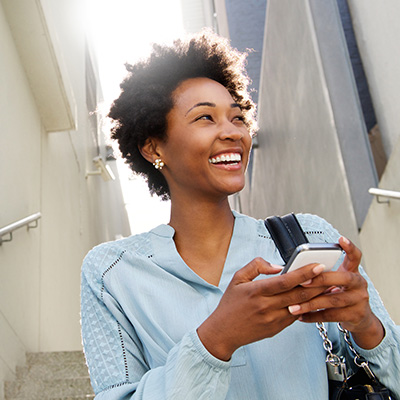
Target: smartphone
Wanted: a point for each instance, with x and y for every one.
(309, 253)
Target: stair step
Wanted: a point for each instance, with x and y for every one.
(53, 371)
(35, 389)
(87, 397)
(57, 357)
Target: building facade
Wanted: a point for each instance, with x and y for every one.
(328, 116)
(50, 136)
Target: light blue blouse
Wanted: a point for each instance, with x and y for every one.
(141, 305)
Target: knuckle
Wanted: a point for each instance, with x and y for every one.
(258, 261)
(305, 274)
(259, 309)
(284, 283)
(320, 279)
(335, 301)
(364, 296)
(268, 318)
(236, 278)
(303, 295)
(364, 283)
(237, 275)
(355, 279)
(250, 291)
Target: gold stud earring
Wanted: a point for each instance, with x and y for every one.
(158, 164)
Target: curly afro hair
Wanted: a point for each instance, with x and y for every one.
(140, 112)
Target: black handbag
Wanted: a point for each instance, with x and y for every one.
(287, 234)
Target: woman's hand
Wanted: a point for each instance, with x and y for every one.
(253, 310)
(345, 300)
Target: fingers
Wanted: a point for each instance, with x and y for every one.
(284, 283)
(351, 293)
(353, 255)
(298, 295)
(255, 268)
(338, 300)
(333, 281)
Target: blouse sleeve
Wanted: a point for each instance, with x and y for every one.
(384, 359)
(116, 359)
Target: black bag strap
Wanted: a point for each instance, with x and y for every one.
(287, 234)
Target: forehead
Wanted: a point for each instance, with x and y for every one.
(196, 90)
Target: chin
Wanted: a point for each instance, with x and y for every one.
(235, 189)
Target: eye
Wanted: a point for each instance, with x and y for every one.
(238, 118)
(204, 117)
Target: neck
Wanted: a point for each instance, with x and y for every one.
(203, 224)
(201, 218)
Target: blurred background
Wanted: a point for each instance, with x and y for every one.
(325, 75)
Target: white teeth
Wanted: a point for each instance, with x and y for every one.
(232, 157)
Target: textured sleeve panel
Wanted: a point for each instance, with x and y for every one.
(101, 332)
(317, 229)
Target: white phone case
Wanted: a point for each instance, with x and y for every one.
(326, 253)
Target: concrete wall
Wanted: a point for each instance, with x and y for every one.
(378, 31)
(378, 34)
(246, 21)
(308, 127)
(311, 128)
(45, 172)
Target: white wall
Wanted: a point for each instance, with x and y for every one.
(45, 171)
(20, 183)
(380, 239)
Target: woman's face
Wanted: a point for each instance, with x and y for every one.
(207, 147)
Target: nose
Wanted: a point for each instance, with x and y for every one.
(229, 131)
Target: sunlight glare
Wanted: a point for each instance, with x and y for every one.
(123, 31)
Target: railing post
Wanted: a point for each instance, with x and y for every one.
(9, 229)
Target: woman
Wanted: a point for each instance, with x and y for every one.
(197, 309)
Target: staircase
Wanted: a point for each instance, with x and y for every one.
(51, 376)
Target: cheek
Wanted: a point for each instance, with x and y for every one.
(248, 141)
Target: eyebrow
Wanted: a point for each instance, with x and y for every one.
(208, 104)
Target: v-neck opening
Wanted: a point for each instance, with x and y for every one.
(226, 262)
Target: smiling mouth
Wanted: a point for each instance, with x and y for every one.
(231, 159)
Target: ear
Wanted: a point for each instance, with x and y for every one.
(149, 150)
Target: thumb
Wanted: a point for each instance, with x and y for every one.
(255, 268)
(353, 255)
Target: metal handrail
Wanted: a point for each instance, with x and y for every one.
(391, 194)
(9, 229)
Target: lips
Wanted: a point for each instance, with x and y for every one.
(226, 158)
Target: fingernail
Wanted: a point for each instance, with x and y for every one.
(347, 241)
(306, 282)
(294, 309)
(318, 269)
(336, 289)
(280, 267)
